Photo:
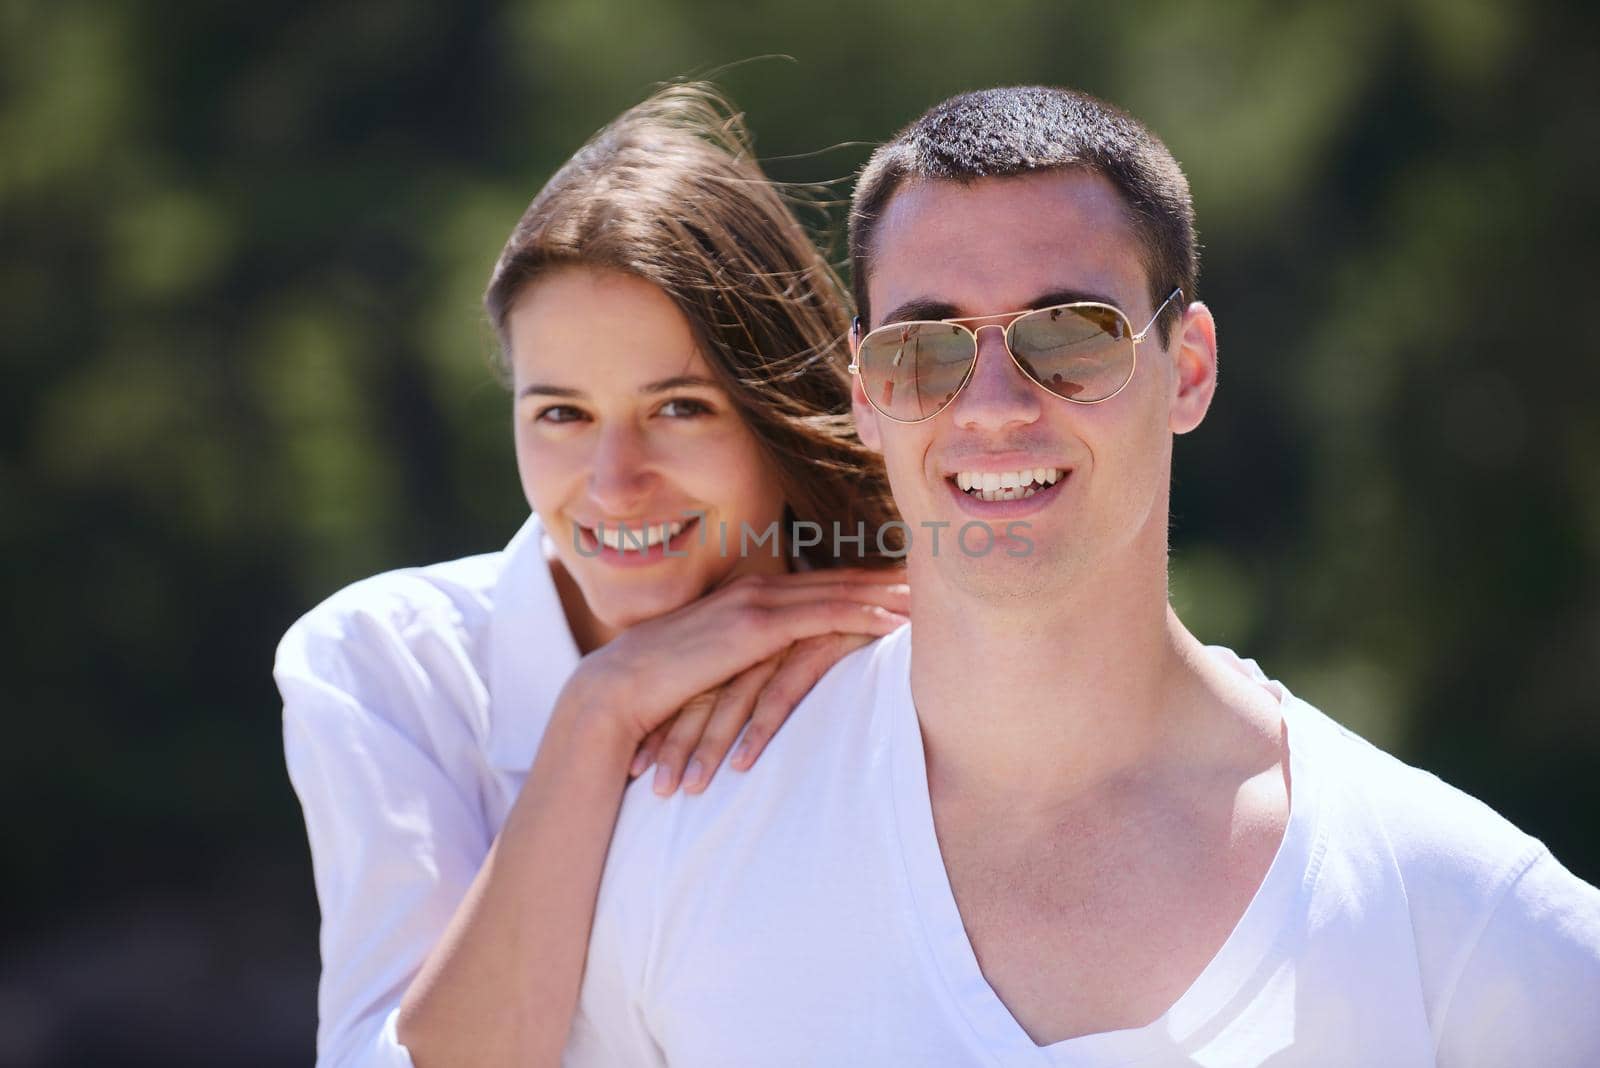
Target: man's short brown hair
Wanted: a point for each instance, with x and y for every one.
(1004, 133)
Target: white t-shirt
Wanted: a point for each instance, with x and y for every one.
(413, 705)
(801, 915)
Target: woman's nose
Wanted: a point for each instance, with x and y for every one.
(620, 473)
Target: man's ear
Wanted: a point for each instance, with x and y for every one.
(1194, 364)
(865, 415)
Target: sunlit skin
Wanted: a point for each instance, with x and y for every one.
(620, 421)
(1107, 796)
(947, 250)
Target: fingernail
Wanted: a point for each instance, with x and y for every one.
(663, 784)
(741, 755)
(693, 779)
(641, 761)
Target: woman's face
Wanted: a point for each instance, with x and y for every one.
(623, 434)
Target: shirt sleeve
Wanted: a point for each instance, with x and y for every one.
(395, 840)
(1529, 992)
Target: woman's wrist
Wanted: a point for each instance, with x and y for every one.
(589, 712)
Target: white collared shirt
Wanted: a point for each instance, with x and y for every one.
(413, 705)
(802, 916)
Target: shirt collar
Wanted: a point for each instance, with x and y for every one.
(532, 653)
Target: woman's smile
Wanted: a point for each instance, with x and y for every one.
(638, 543)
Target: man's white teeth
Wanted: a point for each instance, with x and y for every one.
(635, 536)
(1007, 485)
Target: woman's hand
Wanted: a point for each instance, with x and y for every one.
(688, 748)
(683, 685)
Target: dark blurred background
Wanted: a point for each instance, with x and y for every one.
(241, 251)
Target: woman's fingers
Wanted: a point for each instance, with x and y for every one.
(681, 736)
(774, 591)
(656, 667)
(806, 662)
(648, 749)
(811, 619)
(732, 711)
(666, 663)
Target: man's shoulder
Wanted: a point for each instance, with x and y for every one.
(1428, 825)
(1465, 874)
(1507, 939)
(1370, 802)
(838, 717)
(673, 856)
(1489, 912)
(835, 735)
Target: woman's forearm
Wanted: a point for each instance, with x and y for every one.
(501, 985)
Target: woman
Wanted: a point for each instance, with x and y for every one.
(666, 328)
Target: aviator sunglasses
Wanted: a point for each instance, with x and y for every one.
(1083, 352)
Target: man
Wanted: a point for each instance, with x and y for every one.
(1045, 825)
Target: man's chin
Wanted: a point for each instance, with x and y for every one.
(997, 578)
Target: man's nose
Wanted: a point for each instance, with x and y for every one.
(620, 472)
(997, 394)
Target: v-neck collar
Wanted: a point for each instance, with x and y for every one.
(1260, 931)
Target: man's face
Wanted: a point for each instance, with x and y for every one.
(949, 250)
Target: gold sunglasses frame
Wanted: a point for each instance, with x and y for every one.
(858, 339)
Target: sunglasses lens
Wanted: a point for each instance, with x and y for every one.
(1080, 353)
(911, 370)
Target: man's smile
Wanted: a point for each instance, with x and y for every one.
(1007, 485)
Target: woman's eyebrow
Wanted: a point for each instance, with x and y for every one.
(680, 382)
(545, 390)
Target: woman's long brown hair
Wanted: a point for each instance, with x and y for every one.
(670, 192)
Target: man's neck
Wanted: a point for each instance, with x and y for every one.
(1107, 796)
(1034, 703)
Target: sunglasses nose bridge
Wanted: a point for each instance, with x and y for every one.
(979, 364)
(977, 338)
(996, 391)
(1009, 354)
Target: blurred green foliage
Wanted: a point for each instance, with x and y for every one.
(241, 250)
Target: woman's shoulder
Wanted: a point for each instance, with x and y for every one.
(455, 596)
(417, 632)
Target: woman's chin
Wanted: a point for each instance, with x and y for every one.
(619, 599)
(623, 610)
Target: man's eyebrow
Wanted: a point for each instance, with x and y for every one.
(1071, 296)
(662, 386)
(920, 308)
(924, 308)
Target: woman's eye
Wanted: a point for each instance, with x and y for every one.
(558, 413)
(684, 408)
